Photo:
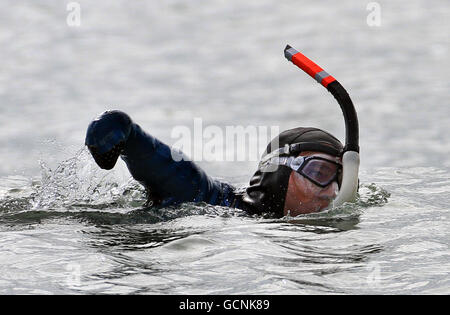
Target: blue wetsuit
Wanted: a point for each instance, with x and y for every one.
(170, 182)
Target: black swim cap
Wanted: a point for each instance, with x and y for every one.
(267, 189)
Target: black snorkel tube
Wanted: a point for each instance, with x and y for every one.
(350, 156)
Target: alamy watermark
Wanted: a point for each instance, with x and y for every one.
(74, 16)
(374, 17)
(213, 143)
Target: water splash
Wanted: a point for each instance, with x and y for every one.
(75, 184)
(372, 196)
(78, 182)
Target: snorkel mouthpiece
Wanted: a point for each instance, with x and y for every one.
(350, 158)
(349, 186)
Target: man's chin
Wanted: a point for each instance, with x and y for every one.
(314, 207)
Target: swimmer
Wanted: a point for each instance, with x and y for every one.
(303, 170)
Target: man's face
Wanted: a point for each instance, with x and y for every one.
(303, 196)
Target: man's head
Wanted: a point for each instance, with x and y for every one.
(305, 177)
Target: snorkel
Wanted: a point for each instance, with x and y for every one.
(350, 157)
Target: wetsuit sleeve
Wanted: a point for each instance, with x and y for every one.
(171, 181)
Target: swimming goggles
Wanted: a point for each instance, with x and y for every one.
(319, 170)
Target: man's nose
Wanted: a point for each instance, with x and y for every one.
(330, 190)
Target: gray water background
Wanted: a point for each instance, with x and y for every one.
(68, 227)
